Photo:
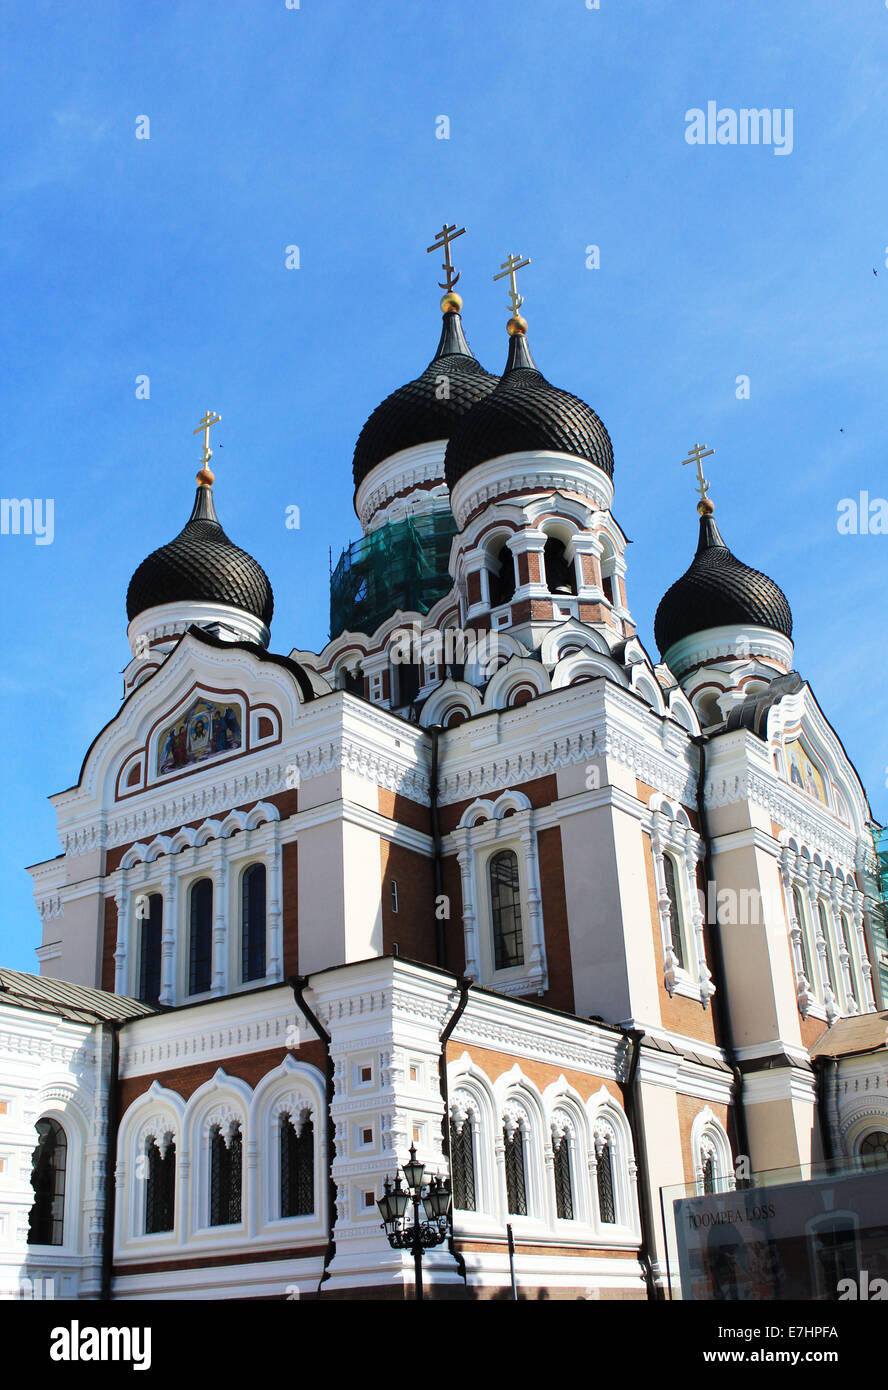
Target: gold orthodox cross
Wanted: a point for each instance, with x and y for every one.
(508, 268)
(697, 455)
(206, 423)
(444, 238)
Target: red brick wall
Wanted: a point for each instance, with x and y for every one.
(250, 1068)
(542, 791)
(413, 925)
(108, 945)
(560, 994)
(290, 907)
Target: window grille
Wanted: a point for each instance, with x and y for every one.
(253, 894)
(462, 1165)
(297, 1167)
(160, 1188)
(563, 1188)
(48, 1167)
(505, 898)
(225, 1177)
(607, 1209)
(150, 951)
(516, 1188)
(201, 939)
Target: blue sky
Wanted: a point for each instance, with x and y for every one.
(316, 127)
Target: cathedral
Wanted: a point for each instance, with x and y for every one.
(482, 879)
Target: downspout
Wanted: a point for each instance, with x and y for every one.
(464, 984)
(719, 1001)
(440, 945)
(111, 1029)
(827, 1072)
(636, 1127)
(298, 984)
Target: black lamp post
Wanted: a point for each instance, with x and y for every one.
(420, 1235)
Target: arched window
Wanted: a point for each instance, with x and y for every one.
(604, 1176)
(505, 904)
(501, 577)
(873, 1149)
(564, 1204)
(516, 1185)
(200, 952)
(462, 1163)
(802, 920)
(226, 1150)
(676, 925)
(160, 1185)
(297, 1165)
(150, 950)
(253, 889)
(561, 577)
(48, 1165)
(708, 1173)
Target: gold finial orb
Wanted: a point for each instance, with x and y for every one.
(451, 303)
(516, 325)
(705, 507)
(206, 477)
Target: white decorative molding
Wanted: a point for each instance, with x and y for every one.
(742, 640)
(408, 468)
(535, 471)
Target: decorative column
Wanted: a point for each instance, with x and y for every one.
(537, 960)
(866, 970)
(169, 935)
(466, 859)
(220, 918)
(122, 899)
(803, 984)
(587, 550)
(275, 965)
(693, 852)
(835, 909)
(812, 879)
(670, 962)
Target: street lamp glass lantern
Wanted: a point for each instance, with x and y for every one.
(414, 1171)
(437, 1201)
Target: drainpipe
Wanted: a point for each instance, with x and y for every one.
(298, 984)
(719, 1002)
(636, 1127)
(464, 984)
(111, 1030)
(440, 945)
(827, 1073)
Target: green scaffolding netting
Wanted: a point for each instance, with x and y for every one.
(400, 565)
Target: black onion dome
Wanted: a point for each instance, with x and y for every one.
(718, 590)
(201, 566)
(414, 414)
(526, 412)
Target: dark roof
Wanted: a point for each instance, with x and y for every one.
(526, 412)
(718, 590)
(414, 414)
(753, 713)
(201, 565)
(857, 1034)
(77, 1003)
